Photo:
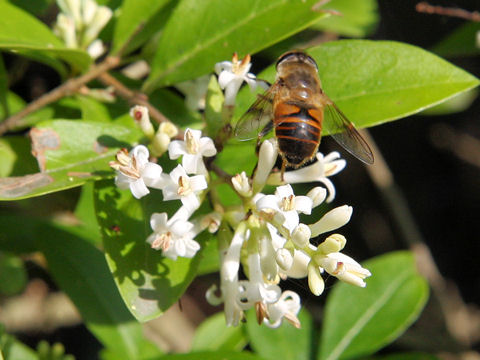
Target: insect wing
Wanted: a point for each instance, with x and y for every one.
(344, 132)
(257, 117)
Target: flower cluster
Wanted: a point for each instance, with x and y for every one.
(262, 241)
(80, 22)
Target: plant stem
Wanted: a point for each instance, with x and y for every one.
(68, 88)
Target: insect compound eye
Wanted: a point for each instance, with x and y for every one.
(296, 56)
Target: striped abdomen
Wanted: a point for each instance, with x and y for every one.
(298, 131)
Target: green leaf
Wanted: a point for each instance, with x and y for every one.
(210, 262)
(16, 103)
(93, 109)
(213, 335)
(12, 349)
(356, 18)
(13, 275)
(21, 31)
(81, 271)
(16, 156)
(134, 15)
(360, 321)
(218, 28)
(148, 282)
(69, 153)
(85, 213)
(456, 104)
(17, 235)
(461, 42)
(285, 342)
(3, 87)
(374, 82)
(214, 355)
(213, 107)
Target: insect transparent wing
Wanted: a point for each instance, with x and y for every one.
(256, 117)
(344, 132)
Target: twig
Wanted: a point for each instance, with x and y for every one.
(69, 87)
(133, 97)
(424, 7)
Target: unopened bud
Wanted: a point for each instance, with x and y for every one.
(301, 236)
(317, 195)
(241, 184)
(315, 280)
(284, 259)
(333, 243)
(141, 117)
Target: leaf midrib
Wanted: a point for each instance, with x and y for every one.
(366, 317)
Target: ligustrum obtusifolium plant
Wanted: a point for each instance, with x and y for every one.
(167, 200)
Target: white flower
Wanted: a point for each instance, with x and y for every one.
(135, 172)
(174, 237)
(286, 205)
(318, 171)
(266, 160)
(231, 259)
(344, 268)
(178, 185)
(141, 117)
(195, 92)
(255, 290)
(241, 184)
(287, 306)
(193, 148)
(231, 75)
(332, 220)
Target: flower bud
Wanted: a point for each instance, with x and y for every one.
(333, 243)
(141, 117)
(315, 280)
(266, 160)
(332, 220)
(284, 259)
(317, 195)
(301, 236)
(160, 144)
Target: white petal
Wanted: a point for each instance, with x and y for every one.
(223, 66)
(303, 204)
(138, 188)
(190, 202)
(176, 149)
(298, 270)
(291, 219)
(284, 191)
(318, 195)
(198, 183)
(332, 220)
(158, 222)
(190, 163)
(207, 148)
(151, 173)
(122, 181)
(268, 202)
(225, 78)
(231, 261)
(176, 173)
(140, 152)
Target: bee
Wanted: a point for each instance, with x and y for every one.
(294, 106)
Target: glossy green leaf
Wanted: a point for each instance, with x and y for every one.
(374, 82)
(93, 109)
(213, 335)
(356, 18)
(16, 156)
(214, 355)
(81, 271)
(16, 103)
(69, 153)
(461, 42)
(210, 261)
(21, 31)
(148, 281)
(456, 104)
(218, 28)
(133, 16)
(13, 275)
(85, 212)
(285, 342)
(360, 321)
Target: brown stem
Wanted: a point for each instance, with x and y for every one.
(424, 7)
(133, 97)
(68, 88)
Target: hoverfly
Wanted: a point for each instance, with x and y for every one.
(294, 106)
